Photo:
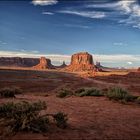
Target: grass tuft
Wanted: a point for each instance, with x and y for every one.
(10, 92)
(61, 119)
(138, 100)
(88, 92)
(118, 93)
(64, 93)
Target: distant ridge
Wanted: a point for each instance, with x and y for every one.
(18, 61)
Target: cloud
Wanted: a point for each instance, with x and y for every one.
(130, 63)
(22, 37)
(119, 44)
(126, 5)
(44, 2)
(27, 52)
(128, 8)
(4, 43)
(89, 14)
(47, 13)
(116, 58)
(100, 5)
(77, 26)
(132, 9)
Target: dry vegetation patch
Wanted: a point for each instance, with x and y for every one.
(120, 94)
(88, 92)
(8, 92)
(26, 116)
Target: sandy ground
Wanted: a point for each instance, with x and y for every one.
(89, 117)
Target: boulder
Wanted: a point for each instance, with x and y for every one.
(82, 61)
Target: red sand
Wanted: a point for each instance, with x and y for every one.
(89, 117)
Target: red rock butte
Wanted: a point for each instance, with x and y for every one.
(82, 61)
(44, 64)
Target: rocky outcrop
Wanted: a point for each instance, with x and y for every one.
(139, 69)
(82, 61)
(18, 61)
(44, 64)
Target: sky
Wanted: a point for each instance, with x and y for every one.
(108, 29)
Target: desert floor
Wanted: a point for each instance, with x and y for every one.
(89, 117)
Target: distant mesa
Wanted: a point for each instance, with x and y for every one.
(18, 61)
(44, 64)
(82, 61)
(36, 63)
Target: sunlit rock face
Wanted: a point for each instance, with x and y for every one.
(44, 64)
(82, 61)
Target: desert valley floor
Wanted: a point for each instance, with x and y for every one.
(89, 117)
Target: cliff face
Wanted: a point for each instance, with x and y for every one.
(81, 62)
(44, 64)
(18, 61)
(83, 58)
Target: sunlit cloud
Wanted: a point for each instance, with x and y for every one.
(47, 13)
(130, 63)
(44, 2)
(116, 58)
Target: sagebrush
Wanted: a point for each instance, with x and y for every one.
(88, 92)
(26, 116)
(8, 92)
(64, 93)
(118, 93)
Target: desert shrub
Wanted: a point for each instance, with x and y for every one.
(63, 93)
(10, 92)
(41, 124)
(90, 92)
(130, 98)
(80, 90)
(22, 116)
(118, 93)
(104, 90)
(138, 100)
(25, 116)
(61, 119)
